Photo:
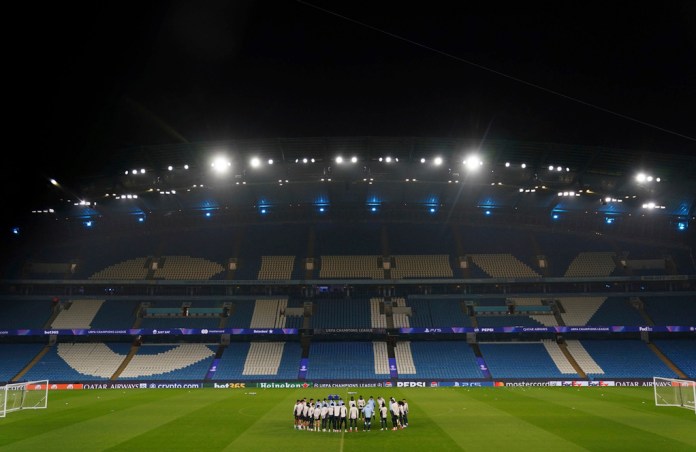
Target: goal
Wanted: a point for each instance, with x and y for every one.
(29, 395)
(675, 392)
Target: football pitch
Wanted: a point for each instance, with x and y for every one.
(440, 419)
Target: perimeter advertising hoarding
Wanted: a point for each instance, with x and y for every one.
(295, 331)
(344, 384)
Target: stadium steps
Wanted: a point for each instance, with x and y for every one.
(31, 363)
(80, 315)
(667, 361)
(54, 315)
(404, 358)
(263, 358)
(557, 315)
(638, 304)
(381, 353)
(377, 320)
(126, 361)
(539, 253)
(559, 358)
(582, 358)
(571, 359)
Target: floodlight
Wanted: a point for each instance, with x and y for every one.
(339, 159)
(170, 168)
(255, 162)
(473, 162)
(640, 177)
(354, 159)
(437, 161)
(221, 164)
(507, 164)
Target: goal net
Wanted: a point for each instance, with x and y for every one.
(29, 395)
(675, 392)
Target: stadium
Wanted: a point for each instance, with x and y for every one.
(216, 217)
(343, 265)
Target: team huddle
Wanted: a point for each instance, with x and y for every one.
(333, 415)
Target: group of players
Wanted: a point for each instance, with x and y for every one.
(333, 415)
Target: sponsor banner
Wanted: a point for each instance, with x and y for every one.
(212, 369)
(282, 385)
(349, 330)
(376, 384)
(393, 372)
(295, 331)
(100, 332)
(263, 331)
(412, 384)
(461, 384)
(483, 367)
(553, 329)
(304, 366)
(149, 331)
(143, 385)
(226, 385)
(55, 386)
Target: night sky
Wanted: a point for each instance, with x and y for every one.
(92, 79)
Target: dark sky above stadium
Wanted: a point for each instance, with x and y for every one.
(90, 79)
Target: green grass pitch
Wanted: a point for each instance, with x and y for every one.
(441, 419)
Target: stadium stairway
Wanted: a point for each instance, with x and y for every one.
(31, 363)
(667, 361)
(49, 322)
(638, 304)
(131, 353)
(569, 356)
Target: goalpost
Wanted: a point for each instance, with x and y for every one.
(29, 395)
(675, 392)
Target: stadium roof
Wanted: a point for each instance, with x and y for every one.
(602, 90)
(385, 174)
